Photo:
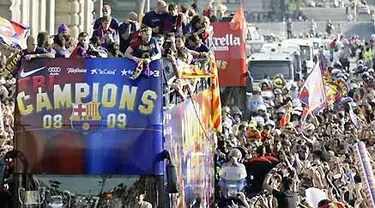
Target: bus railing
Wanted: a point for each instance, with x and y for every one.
(202, 75)
(172, 98)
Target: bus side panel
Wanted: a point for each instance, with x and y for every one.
(86, 116)
(190, 140)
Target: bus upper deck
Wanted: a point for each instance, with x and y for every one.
(84, 128)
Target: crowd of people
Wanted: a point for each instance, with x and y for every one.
(284, 153)
(178, 34)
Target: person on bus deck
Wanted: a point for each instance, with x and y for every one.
(45, 41)
(106, 34)
(155, 19)
(32, 51)
(173, 21)
(60, 47)
(63, 29)
(144, 47)
(195, 44)
(107, 10)
(205, 30)
(191, 27)
(185, 54)
(82, 46)
(95, 49)
(127, 30)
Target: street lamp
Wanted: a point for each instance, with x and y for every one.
(355, 10)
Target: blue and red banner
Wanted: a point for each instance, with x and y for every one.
(12, 33)
(85, 116)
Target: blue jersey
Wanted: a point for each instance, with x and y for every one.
(145, 50)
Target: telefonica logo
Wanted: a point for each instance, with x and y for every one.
(76, 70)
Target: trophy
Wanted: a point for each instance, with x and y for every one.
(31, 198)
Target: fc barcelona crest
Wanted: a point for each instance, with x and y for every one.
(86, 118)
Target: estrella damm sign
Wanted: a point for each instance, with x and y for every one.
(92, 109)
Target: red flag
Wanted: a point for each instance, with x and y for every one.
(285, 120)
(239, 21)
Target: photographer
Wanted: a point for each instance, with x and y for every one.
(127, 30)
(169, 47)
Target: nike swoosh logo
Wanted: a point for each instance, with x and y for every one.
(26, 74)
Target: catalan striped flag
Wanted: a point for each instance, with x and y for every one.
(216, 103)
(92, 111)
(12, 34)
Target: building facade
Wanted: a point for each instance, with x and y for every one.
(47, 15)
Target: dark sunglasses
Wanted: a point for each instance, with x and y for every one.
(145, 31)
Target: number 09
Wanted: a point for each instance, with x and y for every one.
(118, 121)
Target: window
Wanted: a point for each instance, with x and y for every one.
(259, 69)
(305, 53)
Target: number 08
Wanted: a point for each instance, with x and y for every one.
(50, 121)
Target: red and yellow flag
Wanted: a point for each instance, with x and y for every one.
(216, 103)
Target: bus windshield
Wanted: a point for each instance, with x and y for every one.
(260, 69)
(256, 47)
